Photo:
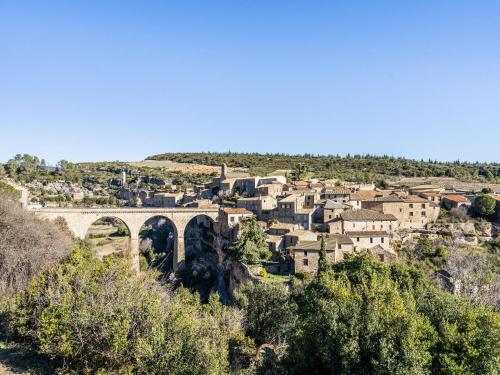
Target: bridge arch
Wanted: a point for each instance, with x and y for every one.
(158, 240)
(80, 219)
(109, 234)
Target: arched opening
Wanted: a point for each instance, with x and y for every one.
(157, 241)
(109, 235)
(203, 271)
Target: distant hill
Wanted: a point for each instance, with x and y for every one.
(362, 168)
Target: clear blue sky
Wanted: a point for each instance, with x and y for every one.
(121, 80)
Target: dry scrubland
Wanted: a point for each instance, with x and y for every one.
(188, 168)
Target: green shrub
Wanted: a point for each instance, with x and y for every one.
(101, 317)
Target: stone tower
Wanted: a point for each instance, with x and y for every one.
(223, 169)
(124, 178)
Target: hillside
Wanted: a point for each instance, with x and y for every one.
(362, 168)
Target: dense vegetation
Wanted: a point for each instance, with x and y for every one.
(366, 168)
(362, 317)
(357, 316)
(27, 168)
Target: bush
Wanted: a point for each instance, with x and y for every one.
(99, 317)
(269, 311)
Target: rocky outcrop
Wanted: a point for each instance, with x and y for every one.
(239, 274)
(468, 233)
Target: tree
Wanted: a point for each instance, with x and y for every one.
(363, 317)
(322, 256)
(484, 205)
(269, 312)
(299, 171)
(28, 246)
(251, 244)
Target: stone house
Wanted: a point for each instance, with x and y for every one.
(455, 201)
(276, 244)
(280, 229)
(363, 195)
(291, 210)
(292, 238)
(166, 199)
(363, 220)
(230, 219)
(382, 254)
(261, 206)
(367, 239)
(411, 211)
(332, 210)
(272, 180)
(432, 196)
(272, 189)
(306, 254)
(337, 194)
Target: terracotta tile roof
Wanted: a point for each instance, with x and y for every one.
(364, 215)
(456, 198)
(242, 211)
(341, 238)
(331, 244)
(387, 199)
(364, 195)
(283, 226)
(274, 239)
(301, 233)
(290, 198)
(401, 199)
(367, 233)
(337, 190)
(332, 205)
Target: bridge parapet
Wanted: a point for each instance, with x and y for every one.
(79, 221)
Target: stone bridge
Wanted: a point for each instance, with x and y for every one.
(79, 221)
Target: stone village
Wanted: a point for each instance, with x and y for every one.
(299, 216)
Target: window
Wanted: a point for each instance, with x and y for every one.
(411, 205)
(371, 239)
(231, 219)
(400, 210)
(423, 205)
(357, 239)
(423, 213)
(340, 246)
(381, 227)
(382, 239)
(390, 227)
(381, 257)
(373, 227)
(305, 253)
(305, 262)
(411, 213)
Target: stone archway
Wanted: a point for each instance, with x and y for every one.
(203, 270)
(158, 240)
(109, 235)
